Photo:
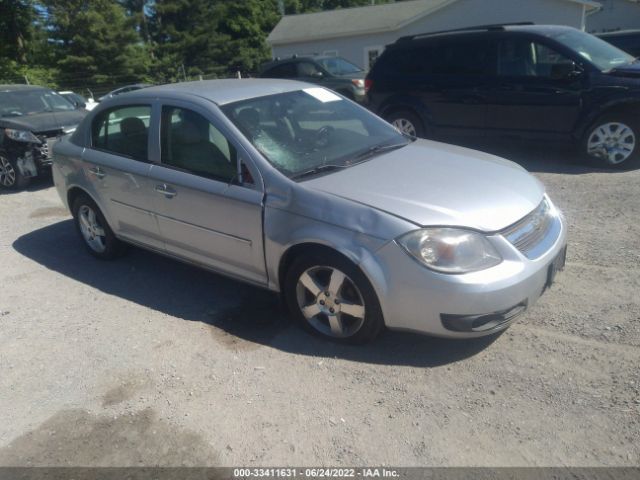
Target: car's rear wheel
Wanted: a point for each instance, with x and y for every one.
(614, 142)
(10, 176)
(406, 122)
(330, 297)
(94, 230)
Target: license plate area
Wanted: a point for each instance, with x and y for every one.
(556, 266)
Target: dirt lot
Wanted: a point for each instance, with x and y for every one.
(146, 361)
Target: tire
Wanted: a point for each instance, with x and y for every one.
(10, 176)
(94, 231)
(407, 122)
(307, 283)
(613, 141)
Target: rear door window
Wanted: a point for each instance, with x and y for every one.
(123, 131)
(285, 70)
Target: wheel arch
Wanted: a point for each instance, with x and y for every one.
(625, 107)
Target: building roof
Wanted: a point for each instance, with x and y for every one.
(346, 22)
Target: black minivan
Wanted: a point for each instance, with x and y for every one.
(525, 81)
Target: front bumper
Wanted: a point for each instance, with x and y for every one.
(415, 298)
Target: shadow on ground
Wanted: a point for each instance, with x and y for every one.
(38, 183)
(239, 316)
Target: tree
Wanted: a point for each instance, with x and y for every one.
(95, 43)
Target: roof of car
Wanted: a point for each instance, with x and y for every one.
(546, 30)
(223, 91)
(18, 87)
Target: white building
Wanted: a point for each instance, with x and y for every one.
(614, 15)
(360, 34)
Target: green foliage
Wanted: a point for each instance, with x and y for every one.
(100, 44)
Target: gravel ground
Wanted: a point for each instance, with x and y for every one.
(146, 361)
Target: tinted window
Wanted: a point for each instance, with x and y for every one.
(285, 70)
(123, 131)
(190, 142)
(460, 57)
(526, 58)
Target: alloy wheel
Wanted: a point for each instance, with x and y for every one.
(92, 232)
(330, 301)
(7, 173)
(404, 126)
(613, 142)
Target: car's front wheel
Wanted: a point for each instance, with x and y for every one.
(614, 142)
(94, 229)
(329, 296)
(10, 176)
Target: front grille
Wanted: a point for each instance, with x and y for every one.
(45, 148)
(535, 233)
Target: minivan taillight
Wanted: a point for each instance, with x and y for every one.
(368, 83)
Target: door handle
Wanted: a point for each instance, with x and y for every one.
(166, 190)
(97, 171)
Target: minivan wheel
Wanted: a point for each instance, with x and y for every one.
(10, 176)
(94, 230)
(406, 122)
(330, 297)
(614, 142)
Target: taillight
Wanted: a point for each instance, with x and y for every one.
(368, 83)
(358, 82)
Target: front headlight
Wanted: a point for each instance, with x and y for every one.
(21, 135)
(450, 250)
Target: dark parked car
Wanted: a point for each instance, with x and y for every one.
(335, 73)
(627, 40)
(542, 83)
(121, 90)
(31, 120)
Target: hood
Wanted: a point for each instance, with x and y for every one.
(631, 70)
(430, 183)
(44, 122)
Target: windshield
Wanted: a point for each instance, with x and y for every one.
(29, 102)
(339, 66)
(602, 54)
(312, 129)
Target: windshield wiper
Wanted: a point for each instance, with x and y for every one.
(378, 149)
(316, 170)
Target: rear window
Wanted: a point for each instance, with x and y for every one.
(123, 131)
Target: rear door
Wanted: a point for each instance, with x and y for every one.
(117, 166)
(537, 90)
(204, 214)
(459, 72)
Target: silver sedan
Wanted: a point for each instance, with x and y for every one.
(296, 189)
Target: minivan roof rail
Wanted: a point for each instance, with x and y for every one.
(495, 26)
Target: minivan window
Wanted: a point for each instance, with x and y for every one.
(602, 54)
(462, 57)
(520, 57)
(123, 131)
(190, 142)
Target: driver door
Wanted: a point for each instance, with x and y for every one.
(537, 90)
(204, 214)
